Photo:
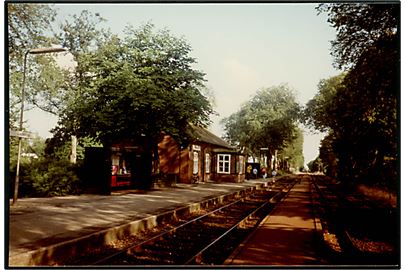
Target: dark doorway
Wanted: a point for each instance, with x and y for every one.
(97, 171)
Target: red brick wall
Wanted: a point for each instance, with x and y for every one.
(186, 169)
(171, 162)
(168, 155)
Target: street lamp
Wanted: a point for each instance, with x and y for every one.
(32, 51)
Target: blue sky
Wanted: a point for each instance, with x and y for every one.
(240, 47)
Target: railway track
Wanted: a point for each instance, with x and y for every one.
(204, 240)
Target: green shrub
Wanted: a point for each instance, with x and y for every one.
(45, 178)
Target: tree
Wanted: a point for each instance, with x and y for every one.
(360, 109)
(48, 86)
(359, 112)
(48, 91)
(268, 120)
(139, 87)
(81, 35)
(26, 25)
(368, 122)
(293, 152)
(315, 165)
(359, 27)
(54, 86)
(319, 111)
(328, 156)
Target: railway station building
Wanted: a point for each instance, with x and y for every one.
(206, 158)
(126, 164)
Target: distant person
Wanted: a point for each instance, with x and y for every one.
(264, 173)
(273, 175)
(248, 171)
(255, 172)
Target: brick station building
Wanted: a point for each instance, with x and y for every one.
(125, 165)
(206, 158)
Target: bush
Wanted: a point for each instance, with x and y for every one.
(46, 178)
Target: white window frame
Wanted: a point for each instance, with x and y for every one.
(221, 159)
(195, 162)
(207, 163)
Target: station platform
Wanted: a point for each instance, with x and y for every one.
(288, 236)
(41, 229)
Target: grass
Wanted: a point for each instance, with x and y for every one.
(379, 194)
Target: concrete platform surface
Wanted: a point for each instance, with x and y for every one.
(35, 223)
(286, 237)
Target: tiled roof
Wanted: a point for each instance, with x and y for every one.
(203, 135)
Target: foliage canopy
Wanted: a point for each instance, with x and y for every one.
(27, 25)
(359, 27)
(359, 108)
(139, 86)
(268, 120)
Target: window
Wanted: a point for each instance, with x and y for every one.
(120, 164)
(224, 163)
(195, 163)
(207, 163)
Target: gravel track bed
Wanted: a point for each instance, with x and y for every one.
(163, 252)
(356, 230)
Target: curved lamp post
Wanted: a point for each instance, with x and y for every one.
(32, 51)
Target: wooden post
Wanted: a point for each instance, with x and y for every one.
(73, 152)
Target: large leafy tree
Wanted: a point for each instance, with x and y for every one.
(137, 88)
(54, 85)
(324, 114)
(368, 125)
(320, 111)
(359, 27)
(360, 117)
(27, 24)
(327, 155)
(293, 151)
(26, 28)
(268, 120)
(360, 108)
(81, 35)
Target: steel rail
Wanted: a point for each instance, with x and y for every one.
(138, 246)
(198, 257)
(167, 232)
